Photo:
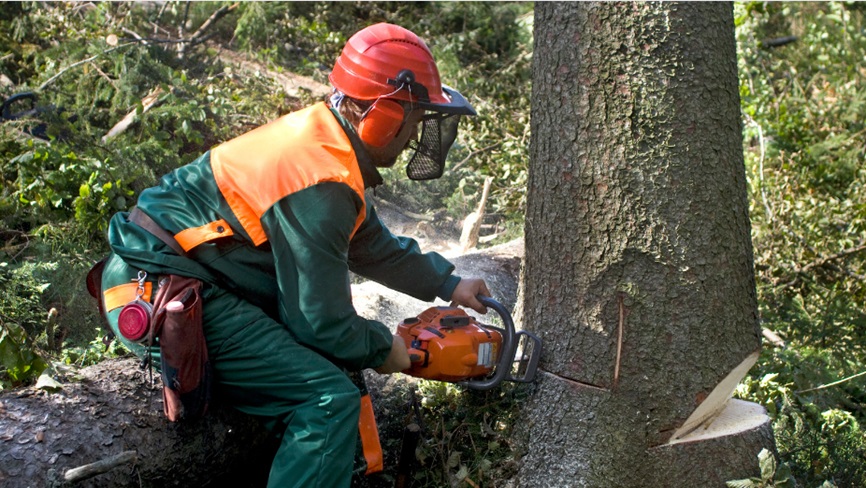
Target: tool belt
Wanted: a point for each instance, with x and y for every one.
(175, 320)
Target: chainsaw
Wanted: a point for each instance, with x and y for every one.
(447, 344)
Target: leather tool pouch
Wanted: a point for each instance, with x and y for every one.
(186, 371)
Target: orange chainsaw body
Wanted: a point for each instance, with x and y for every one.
(447, 344)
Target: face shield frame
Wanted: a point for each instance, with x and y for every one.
(439, 127)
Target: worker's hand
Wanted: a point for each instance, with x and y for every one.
(466, 291)
(397, 360)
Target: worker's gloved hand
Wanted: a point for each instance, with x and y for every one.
(397, 360)
(465, 294)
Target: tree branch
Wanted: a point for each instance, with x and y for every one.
(197, 36)
(397, 208)
(824, 261)
(473, 154)
(135, 35)
(79, 63)
(102, 466)
(102, 73)
(146, 103)
(220, 13)
(841, 254)
(828, 385)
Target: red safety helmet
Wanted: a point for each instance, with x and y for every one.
(387, 63)
(382, 59)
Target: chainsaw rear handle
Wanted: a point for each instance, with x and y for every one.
(510, 339)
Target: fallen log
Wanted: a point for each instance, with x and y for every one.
(110, 410)
(104, 426)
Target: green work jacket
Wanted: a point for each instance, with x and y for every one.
(279, 217)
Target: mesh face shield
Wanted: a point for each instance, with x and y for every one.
(438, 132)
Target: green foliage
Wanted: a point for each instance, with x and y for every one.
(57, 196)
(45, 302)
(773, 475)
(51, 184)
(805, 108)
(804, 111)
(303, 37)
(820, 442)
(99, 349)
(468, 435)
(21, 317)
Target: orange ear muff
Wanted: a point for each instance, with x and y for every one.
(382, 122)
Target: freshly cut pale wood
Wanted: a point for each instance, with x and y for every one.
(146, 104)
(717, 400)
(472, 223)
(737, 417)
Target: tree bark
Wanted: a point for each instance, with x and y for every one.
(110, 409)
(638, 269)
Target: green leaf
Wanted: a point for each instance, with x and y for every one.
(767, 462)
(453, 459)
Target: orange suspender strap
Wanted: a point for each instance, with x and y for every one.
(192, 237)
(370, 436)
(186, 239)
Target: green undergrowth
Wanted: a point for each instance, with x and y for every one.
(464, 438)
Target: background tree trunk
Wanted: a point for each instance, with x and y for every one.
(638, 268)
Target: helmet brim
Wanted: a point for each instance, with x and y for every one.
(457, 106)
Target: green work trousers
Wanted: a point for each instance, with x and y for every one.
(259, 369)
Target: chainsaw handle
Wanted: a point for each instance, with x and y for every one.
(506, 356)
(417, 356)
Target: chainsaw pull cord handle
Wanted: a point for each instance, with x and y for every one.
(506, 356)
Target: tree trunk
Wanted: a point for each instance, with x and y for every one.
(638, 268)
